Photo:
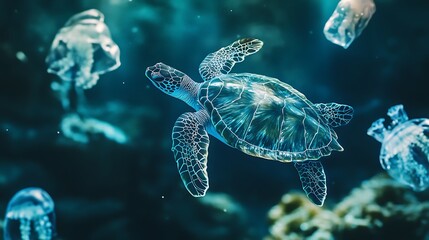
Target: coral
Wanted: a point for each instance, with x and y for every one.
(378, 209)
(295, 218)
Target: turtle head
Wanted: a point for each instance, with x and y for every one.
(166, 78)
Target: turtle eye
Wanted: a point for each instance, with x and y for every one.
(157, 77)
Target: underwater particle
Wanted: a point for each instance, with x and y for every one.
(134, 29)
(258, 115)
(405, 147)
(21, 56)
(83, 49)
(41, 49)
(30, 215)
(348, 21)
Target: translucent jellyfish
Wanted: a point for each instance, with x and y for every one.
(30, 215)
(348, 21)
(405, 147)
(83, 49)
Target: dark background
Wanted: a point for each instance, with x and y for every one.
(108, 191)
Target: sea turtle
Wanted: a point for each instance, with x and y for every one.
(258, 115)
(405, 147)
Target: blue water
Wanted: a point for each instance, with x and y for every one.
(104, 189)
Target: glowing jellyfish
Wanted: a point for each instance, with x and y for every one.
(405, 147)
(348, 21)
(83, 49)
(30, 215)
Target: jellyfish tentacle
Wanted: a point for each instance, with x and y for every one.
(43, 228)
(25, 228)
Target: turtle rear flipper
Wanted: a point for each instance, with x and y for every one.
(313, 180)
(335, 114)
(223, 60)
(190, 149)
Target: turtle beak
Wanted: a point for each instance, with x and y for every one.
(155, 72)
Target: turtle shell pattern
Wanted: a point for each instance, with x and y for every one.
(267, 118)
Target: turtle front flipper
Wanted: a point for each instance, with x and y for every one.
(190, 148)
(335, 114)
(313, 180)
(223, 60)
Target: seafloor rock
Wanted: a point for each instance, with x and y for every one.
(379, 209)
(215, 216)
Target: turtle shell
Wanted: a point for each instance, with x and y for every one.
(267, 118)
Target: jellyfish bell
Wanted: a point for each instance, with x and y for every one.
(30, 215)
(30, 203)
(348, 21)
(90, 16)
(83, 49)
(106, 57)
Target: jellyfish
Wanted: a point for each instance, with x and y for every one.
(30, 215)
(404, 150)
(83, 49)
(348, 21)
